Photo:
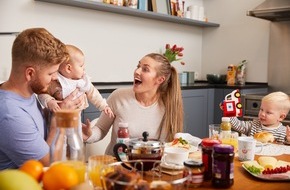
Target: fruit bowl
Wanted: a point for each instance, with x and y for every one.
(216, 78)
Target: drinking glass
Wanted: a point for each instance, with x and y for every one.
(230, 138)
(96, 164)
(214, 131)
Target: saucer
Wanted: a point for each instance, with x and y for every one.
(259, 144)
(171, 166)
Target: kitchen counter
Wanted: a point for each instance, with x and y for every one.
(109, 87)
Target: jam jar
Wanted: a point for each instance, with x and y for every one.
(197, 171)
(207, 149)
(223, 166)
(123, 133)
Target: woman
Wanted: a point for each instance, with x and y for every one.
(154, 104)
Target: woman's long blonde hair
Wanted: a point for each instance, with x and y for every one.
(170, 93)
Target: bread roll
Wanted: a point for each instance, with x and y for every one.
(160, 185)
(264, 137)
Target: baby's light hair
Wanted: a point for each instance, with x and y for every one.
(279, 98)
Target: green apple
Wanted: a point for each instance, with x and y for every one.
(13, 179)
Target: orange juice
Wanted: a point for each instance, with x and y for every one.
(231, 138)
(231, 141)
(79, 167)
(97, 168)
(97, 172)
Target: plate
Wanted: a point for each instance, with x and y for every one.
(271, 177)
(171, 166)
(192, 148)
(259, 144)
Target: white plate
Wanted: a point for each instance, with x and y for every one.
(171, 166)
(270, 177)
(192, 148)
(259, 144)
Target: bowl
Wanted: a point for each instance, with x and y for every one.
(129, 175)
(216, 78)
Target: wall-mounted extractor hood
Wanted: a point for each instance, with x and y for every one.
(273, 10)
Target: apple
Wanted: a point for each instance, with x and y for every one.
(13, 179)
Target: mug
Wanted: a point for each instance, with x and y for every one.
(247, 148)
(175, 155)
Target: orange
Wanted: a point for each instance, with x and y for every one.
(34, 168)
(59, 176)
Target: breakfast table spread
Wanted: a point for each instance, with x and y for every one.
(244, 180)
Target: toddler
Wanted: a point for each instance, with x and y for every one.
(274, 108)
(71, 75)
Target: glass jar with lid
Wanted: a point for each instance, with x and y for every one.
(226, 125)
(223, 166)
(207, 150)
(197, 173)
(123, 133)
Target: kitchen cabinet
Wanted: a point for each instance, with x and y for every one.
(92, 112)
(197, 116)
(198, 113)
(220, 93)
(88, 4)
(201, 107)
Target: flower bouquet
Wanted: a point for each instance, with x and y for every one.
(173, 53)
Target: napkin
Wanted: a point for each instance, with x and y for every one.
(195, 141)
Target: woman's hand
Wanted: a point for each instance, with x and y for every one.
(70, 102)
(87, 131)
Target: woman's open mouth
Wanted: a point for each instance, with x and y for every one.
(137, 81)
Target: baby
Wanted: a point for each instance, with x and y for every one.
(274, 108)
(71, 75)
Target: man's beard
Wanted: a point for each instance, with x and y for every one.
(37, 87)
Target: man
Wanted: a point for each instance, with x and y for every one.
(36, 56)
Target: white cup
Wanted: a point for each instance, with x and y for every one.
(194, 12)
(201, 14)
(247, 148)
(175, 155)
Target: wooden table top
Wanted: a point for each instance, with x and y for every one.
(245, 181)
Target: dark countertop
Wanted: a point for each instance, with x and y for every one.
(108, 87)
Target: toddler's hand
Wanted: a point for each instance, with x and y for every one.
(109, 112)
(53, 105)
(288, 133)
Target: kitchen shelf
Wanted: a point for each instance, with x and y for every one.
(9, 33)
(88, 4)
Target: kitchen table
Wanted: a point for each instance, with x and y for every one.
(245, 181)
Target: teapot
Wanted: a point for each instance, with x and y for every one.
(140, 149)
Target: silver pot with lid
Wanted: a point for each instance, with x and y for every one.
(140, 149)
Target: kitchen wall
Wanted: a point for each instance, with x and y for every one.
(113, 43)
(238, 37)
